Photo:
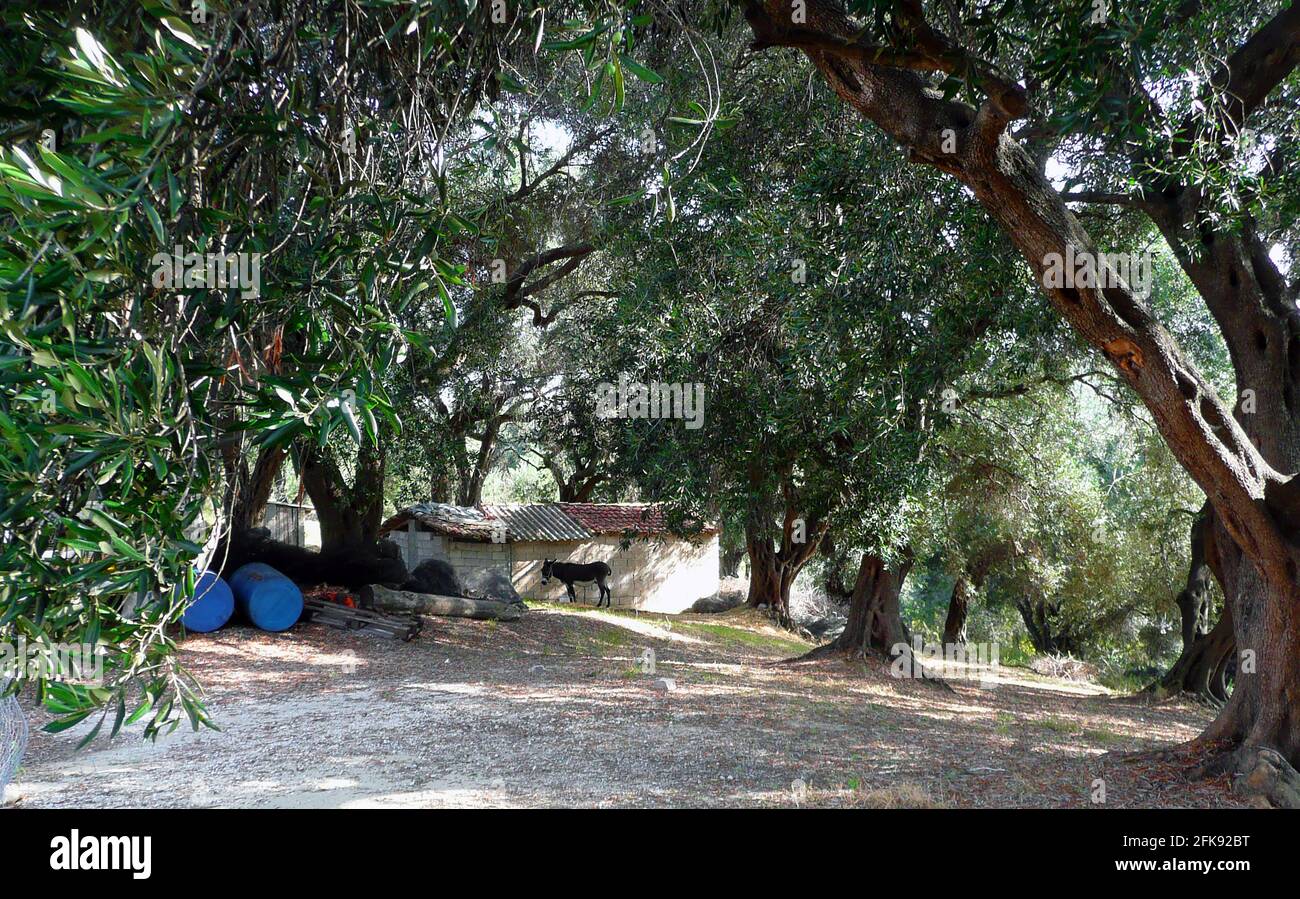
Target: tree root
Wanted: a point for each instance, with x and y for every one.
(1260, 775)
(1159, 693)
(825, 651)
(1266, 779)
(1177, 755)
(832, 650)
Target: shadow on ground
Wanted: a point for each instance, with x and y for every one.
(561, 708)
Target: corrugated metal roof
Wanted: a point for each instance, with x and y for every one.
(537, 521)
(448, 513)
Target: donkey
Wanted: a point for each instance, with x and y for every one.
(581, 573)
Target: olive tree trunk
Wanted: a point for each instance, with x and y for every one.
(1194, 599)
(1208, 653)
(248, 491)
(349, 515)
(954, 627)
(774, 565)
(875, 615)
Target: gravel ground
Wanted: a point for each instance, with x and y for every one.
(554, 710)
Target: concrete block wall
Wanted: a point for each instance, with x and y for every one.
(527, 573)
(467, 555)
(418, 545)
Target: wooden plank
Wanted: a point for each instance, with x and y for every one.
(347, 618)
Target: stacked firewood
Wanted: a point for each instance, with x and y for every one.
(341, 608)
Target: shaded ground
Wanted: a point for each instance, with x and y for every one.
(556, 710)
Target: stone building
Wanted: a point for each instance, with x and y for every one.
(652, 568)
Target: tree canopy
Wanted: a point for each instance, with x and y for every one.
(998, 298)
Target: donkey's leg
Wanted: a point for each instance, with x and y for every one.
(604, 593)
(573, 597)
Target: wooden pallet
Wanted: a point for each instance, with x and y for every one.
(322, 611)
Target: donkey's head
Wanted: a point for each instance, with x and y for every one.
(546, 570)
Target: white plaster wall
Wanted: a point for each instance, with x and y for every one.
(656, 575)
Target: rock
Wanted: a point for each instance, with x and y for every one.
(817, 627)
(665, 684)
(823, 628)
(435, 576)
(485, 583)
(717, 603)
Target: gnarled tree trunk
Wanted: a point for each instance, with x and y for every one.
(954, 627)
(729, 561)
(774, 567)
(349, 515)
(247, 492)
(1208, 654)
(1194, 599)
(1258, 640)
(1203, 667)
(875, 614)
(1046, 631)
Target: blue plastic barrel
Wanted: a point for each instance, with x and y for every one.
(212, 606)
(265, 597)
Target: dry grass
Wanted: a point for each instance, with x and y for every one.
(904, 795)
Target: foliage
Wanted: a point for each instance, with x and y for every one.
(130, 133)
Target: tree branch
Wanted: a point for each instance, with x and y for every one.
(1258, 66)
(933, 52)
(518, 289)
(527, 187)
(1105, 198)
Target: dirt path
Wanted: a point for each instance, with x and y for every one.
(555, 710)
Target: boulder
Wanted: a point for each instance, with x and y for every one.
(435, 576)
(825, 628)
(486, 583)
(350, 565)
(717, 603)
